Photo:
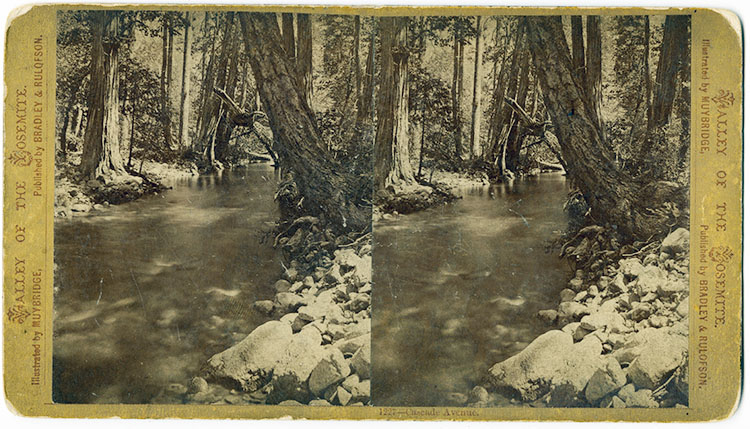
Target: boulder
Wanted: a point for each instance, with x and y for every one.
(580, 364)
(287, 302)
(658, 358)
(640, 311)
(636, 399)
(282, 286)
(250, 362)
(293, 368)
(571, 328)
(361, 362)
(649, 280)
(351, 345)
(610, 321)
(631, 267)
(567, 295)
(343, 395)
(617, 285)
(530, 372)
(683, 308)
(264, 306)
(478, 394)
(593, 290)
(332, 369)
(361, 391)
(576, 284)
(678, 241)
(350, 382)
(572, 310)
(672, 286)
(605, 380)
(548, 316)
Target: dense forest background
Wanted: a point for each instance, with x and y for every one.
(604, 98)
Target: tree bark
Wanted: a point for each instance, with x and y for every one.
(393, 170)
(101, 157)
(287, 33)
(594, 69)
(674, 56)
(576, 35)
(326, 189)
(304, 56)
(185, 84)
(476, 99)
(166, 121)
(614, 197)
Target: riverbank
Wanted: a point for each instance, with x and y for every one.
(439, 188)
(76, 196)
(621, 338)
(315, 349)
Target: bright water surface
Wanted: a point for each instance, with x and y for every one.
(147, 291)
(456, 288)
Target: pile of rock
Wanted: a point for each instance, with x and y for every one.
(622, 342)
(316, 351)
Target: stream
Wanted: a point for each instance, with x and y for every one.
(147, 291)
(457, 288)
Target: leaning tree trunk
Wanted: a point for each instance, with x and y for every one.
(101, 157)
(614, 198)
(326, 189)
(304, 56)
(392, 167)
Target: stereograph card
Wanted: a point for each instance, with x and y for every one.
(406, 213)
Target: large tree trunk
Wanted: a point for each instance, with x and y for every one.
(674, 56)
(166, 75)
(185, 84)
(476, 99)
(614, 198)
(101, 157)
(392, 167)
(594, 69)
(304, 56)
(326, 189)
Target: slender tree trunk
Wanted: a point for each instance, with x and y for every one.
(64, 132)
(476, 101)
(325, 187)
(392, 167)
(594, 69)
(614, 198)
(165, 77)
(364, 114)
(456, 93)
(579, 58)
(304, 56)
(357, 67)
(131, 141)
(101, 157)
(185, 84)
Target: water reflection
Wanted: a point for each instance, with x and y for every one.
(456, 288)
(147, 291)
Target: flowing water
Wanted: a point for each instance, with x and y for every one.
(145, 292)
(456, 288)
